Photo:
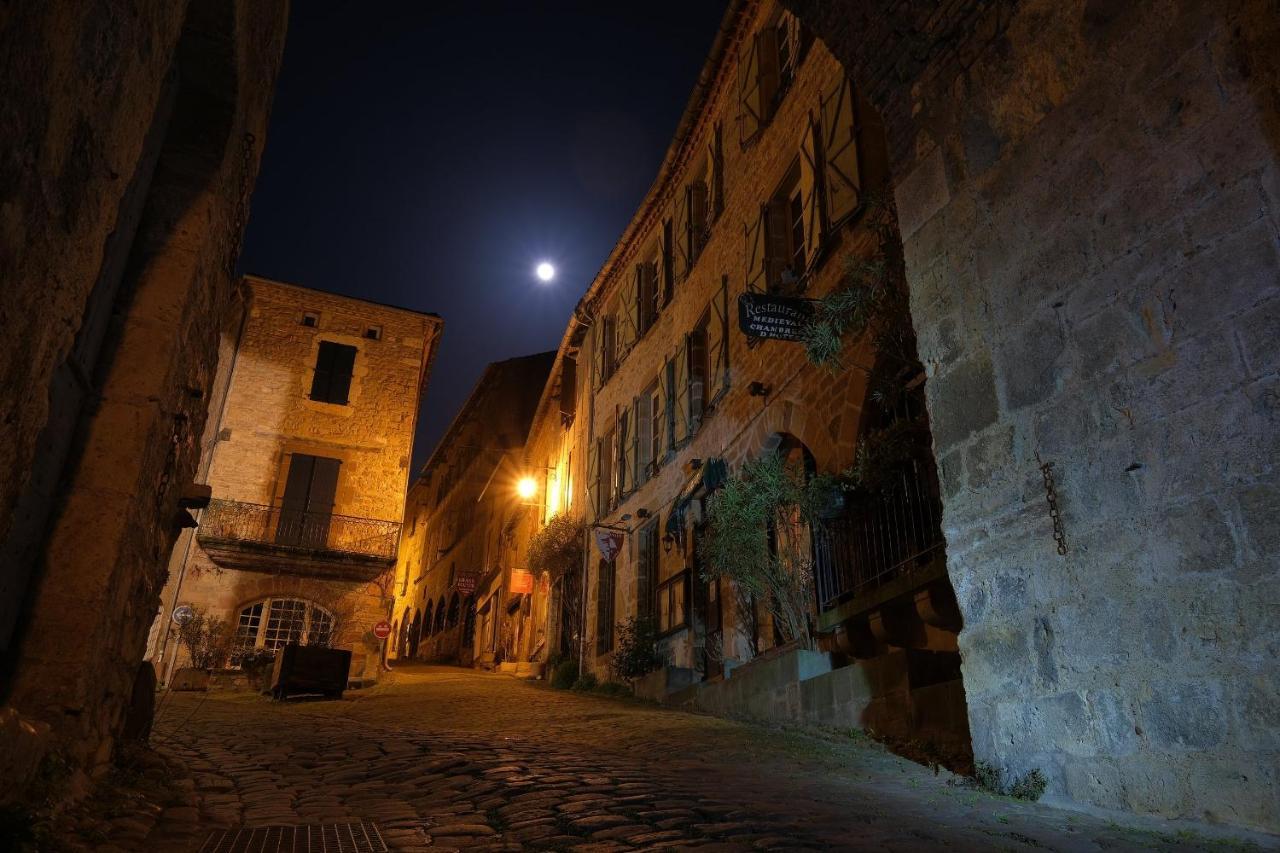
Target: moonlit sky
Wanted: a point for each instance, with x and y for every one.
(430, 155)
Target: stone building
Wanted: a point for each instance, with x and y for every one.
(462, 585)
(770, 188)
(306, 455)
(1088, 229)
(131, 145)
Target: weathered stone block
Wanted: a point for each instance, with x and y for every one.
(1184, 715)
(962, 402)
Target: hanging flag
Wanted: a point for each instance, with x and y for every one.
(608, 542)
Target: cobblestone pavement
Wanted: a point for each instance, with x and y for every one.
(454, 759)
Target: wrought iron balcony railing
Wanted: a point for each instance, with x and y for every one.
(234, 521)
(880, 536)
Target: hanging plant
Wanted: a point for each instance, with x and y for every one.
(557, 548)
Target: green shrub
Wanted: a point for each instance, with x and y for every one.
(586, 682)
(636, 650)
(990, 778)
(564, 675)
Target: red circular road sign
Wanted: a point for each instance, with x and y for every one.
(382, 630)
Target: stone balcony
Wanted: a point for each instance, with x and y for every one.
(257, 538)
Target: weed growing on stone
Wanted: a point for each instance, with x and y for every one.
(1030, 786)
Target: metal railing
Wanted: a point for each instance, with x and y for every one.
(292, 528)
(881, 535)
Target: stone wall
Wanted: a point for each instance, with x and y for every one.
(1090, 199)
(136, 142)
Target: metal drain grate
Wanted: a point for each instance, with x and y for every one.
(359, 837)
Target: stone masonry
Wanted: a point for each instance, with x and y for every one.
(132, 140)
(1090, 199)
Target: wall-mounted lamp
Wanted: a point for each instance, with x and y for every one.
(758, 389)
(668, 542)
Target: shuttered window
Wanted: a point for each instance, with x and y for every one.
(682, 429)
(331, 381)
(647, 570)
(305, 509)
(699, 370)
(604, 606)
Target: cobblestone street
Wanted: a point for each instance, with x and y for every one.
(444, 758)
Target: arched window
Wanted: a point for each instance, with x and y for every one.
(275, 622)
(451, 618)
(440, 614)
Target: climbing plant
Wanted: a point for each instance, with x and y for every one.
(757, 536)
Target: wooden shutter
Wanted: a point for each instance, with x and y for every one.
(627, 332)
(810, 190)
(718, 344)
(770, 74)
(645, 554)
(681, 359)
(697, 219)
(842, 178)
(320, 499)
(715, 172)
(632, 450)
(669, 408)
(667, 257)
(757, 267)
(331, 381)
(597, 351)
(751, 105)
(593, 481)
(638, 296)
(680, 233)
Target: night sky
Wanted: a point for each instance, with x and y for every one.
(428, 155)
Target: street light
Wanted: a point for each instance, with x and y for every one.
(526, 488)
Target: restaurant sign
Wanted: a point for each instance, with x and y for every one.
(779, 318)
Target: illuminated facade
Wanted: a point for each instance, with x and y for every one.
(307, 459)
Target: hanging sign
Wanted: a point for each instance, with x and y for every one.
(779, 318)
(608, 543)
(521, 581)
(465, 584)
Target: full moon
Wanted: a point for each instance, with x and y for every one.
(545, 271)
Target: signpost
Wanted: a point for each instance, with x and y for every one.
(779, 318)
(521, 581)
(465, 584)
(382, 630)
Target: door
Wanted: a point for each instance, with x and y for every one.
(307, 506)
(710, 613)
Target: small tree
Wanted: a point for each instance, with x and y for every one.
(207, 640)
(758, 537)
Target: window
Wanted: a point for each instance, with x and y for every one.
(699, 370)
(289, 620)
(646, 569)
(673, 603)
(332, 380)
(608, 347)
(373, 333)
(646, 282)
(311, 319)
(247, 627)
(766, 68)
(307, 505)
(622, 468)
(604, 606)
(783, 243)
(651, 416)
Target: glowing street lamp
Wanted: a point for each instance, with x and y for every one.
(526, 488)
(545, 271)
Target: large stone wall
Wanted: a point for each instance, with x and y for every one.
(1090, 201)
(137, 136)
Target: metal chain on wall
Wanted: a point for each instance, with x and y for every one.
(1051, 495)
